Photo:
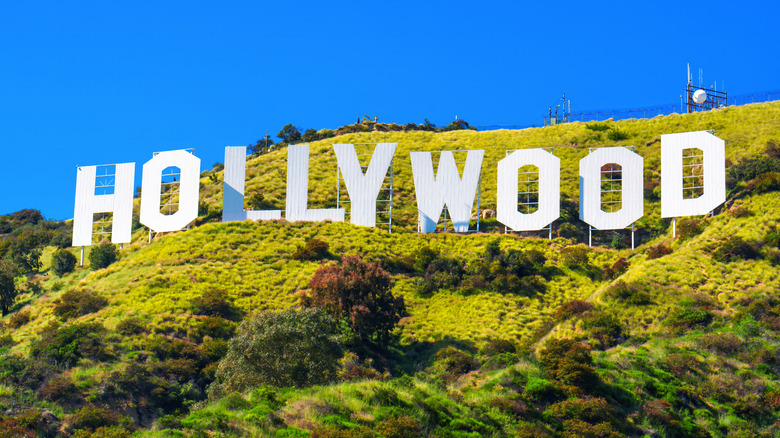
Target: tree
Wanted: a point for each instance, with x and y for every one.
(289, 134)
(290, 348)
(310, 135)
(8, 289)
(261, 145)
(102, 255)
(62, 262)
(359, 293)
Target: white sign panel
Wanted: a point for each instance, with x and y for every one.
(88, 203)
(672, 202)
(298, 189)
(632, 206)
(364, 189)
(446, 188)
(549, 190)
(233, 196)
(189, 188)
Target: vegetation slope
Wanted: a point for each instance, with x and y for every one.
(675, 338)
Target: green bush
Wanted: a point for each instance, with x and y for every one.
(569, 362)
(454, 362)
(574, 256)
(604, 327)
(130, 326)
(290, 348)
(735, 248)
(688, 227)
(629, 293)
(63, 262)
(63, 346)
(77, 302)
(688, 318)
(399, 427)
(102, 256)
(92, 418)
(214, 303)
(314, 249)
(616, 134)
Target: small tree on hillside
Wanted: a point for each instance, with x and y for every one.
(62, 262)
(359, 293)
(290, 348)
(102, 255)
(8, 290)
(289, 134)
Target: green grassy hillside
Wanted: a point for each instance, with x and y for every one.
(682, 332)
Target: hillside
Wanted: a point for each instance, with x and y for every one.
(675, 338)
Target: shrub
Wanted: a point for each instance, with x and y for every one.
(423, 257)
(213, 303)
(688, 227)
(617, 269)
(572, 308)
(767, 182)
(290, 348)
(739, 211)
(130, 326)
(63, 262)
(629, 293)
(454, 362)
(615, 134)
(574, 256)
(605, 328)
(724, 343)
(751, 168)
(78, 302)
(93, 418)
(314, 249)
(657, 251)
(64, 346)
(258, 202)
(103, 432)
(541, 390)
(589, 409)
(8, 289)
(359, 293)
(569, 362)
(19, 318)
(736, 248)
(102, 256)
(399, 427)
(217, 328)
(57, 388)
(689, 317)
(617, 242)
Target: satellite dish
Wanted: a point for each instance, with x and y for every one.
(699, 96)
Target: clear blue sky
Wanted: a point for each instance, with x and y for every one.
(85, 83)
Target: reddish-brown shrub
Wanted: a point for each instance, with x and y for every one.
(657, 251)
(358, 292)
(573, 308)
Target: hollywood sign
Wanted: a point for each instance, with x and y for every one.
(434, 189)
